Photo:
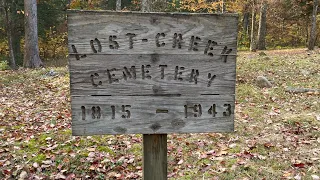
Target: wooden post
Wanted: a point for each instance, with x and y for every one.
(154, 156)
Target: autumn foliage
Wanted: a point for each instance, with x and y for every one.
(277, 132)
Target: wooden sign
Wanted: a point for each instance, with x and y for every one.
(151, 73)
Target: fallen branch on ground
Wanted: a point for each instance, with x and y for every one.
(301, 90)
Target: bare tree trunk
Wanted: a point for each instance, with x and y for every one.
(12, 57)
(307, 31)
(262, 27)
(31, 47)
(8, 22)
(313, 30)
(118, 5)
(253, 23)
(16, 34)
(246, 22)
(145, 6)
(153, 5)
(223, 9)
(16, 42)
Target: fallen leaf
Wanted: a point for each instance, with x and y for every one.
(47, 162)
(35, 165)
(23, 175)
(287, 174)
(206, 167)
(7, 171)
(210, 152)
(222, 170)
(297, 177)
(315, 177)
(181, 161)
(7, 163)
(60, 176)
(92, 168)
(268, 145)
(203, 156)
(262, 157)
(299, 165)
(232, 145)
(91, 154)
(70, 176)
(91, 149)
(241, 162)
(53, 147)
(220, 153)
(130, 161)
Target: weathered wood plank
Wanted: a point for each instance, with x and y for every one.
(148, 33)
(152, 75)
(155, 157)
(151, 115)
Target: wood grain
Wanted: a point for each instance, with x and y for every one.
(155, 157)
(84, 26)
(223, 83)
(151, 73)
(144, 117)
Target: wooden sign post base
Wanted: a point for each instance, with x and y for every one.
(155, 156)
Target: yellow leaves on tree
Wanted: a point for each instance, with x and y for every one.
(199, 6)
(90, 4)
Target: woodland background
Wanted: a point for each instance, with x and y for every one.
(277, 129)
(263, 24)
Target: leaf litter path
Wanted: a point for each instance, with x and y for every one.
(276, 137)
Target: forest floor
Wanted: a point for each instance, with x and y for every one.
(277, 133)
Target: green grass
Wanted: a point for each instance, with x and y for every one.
(136, 149)
(4, 65)
(287, 121)
(38, 158)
